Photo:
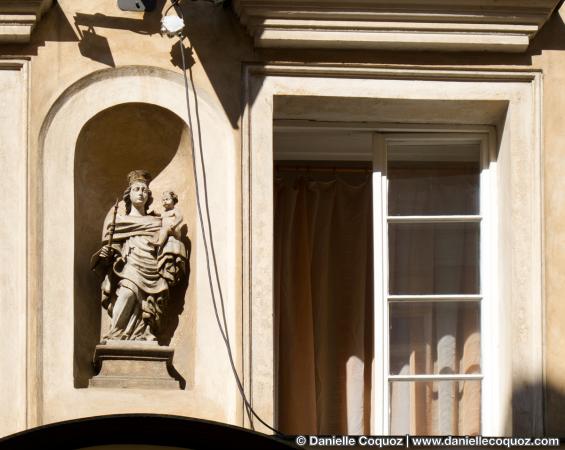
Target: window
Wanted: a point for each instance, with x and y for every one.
(505, 105)
(433, 270)
(430, 203)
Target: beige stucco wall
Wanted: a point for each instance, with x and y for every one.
(552, 61)
(69, 90)
(60, 57)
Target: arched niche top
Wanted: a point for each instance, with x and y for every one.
(129, 84)
(105, 89)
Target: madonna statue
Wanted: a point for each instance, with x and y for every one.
(142, 257)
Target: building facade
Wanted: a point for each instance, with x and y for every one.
(436, 128)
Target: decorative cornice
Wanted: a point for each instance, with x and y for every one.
(18, 19)
(444, 25)
(413, 72)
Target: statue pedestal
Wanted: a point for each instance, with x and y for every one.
(133, 364)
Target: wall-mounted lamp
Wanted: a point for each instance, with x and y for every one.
(149, 5)
(172, 26)
(137, 5)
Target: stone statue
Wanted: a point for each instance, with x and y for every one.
(141, 259)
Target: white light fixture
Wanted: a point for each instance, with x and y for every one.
(172, 26)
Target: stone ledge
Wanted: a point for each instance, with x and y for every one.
(444, 25)
(137, 365)
(19, 18)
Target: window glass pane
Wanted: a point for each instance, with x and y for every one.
(433, 180)
(435, 338)
(435, 407)
(433, 258)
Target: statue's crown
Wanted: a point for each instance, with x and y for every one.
(139, 175)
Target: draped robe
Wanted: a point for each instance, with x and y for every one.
(146, 275)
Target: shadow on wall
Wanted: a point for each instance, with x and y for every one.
(551, 36)
(214, 34)
(221, 44)
(114, 142)
(53, 27)
(554, 411)
(95, 46)
(526, 422)
(526, 419)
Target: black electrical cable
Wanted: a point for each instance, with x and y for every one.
(205, 182)
(223, 329)
(249, 408)
(173, 3)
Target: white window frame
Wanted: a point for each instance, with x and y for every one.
(485, 138)
(487, 298)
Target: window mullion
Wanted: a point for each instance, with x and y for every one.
(492, 358)
(436, 377)
(434, 298)
(380, 417)
(435, 219)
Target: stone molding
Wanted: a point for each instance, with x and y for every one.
(19, 18)
(440, 25)
(14, 194)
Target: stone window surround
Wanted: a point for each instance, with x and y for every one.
(519, 180)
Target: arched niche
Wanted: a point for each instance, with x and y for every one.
(56, 357)
(111, 144)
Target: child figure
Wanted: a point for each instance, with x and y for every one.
(172, 218)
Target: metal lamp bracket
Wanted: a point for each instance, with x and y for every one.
(137, 5)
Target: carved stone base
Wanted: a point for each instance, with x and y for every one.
(133, 364)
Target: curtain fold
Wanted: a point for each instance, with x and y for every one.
(323, 298)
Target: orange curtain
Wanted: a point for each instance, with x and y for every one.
(323, 301)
